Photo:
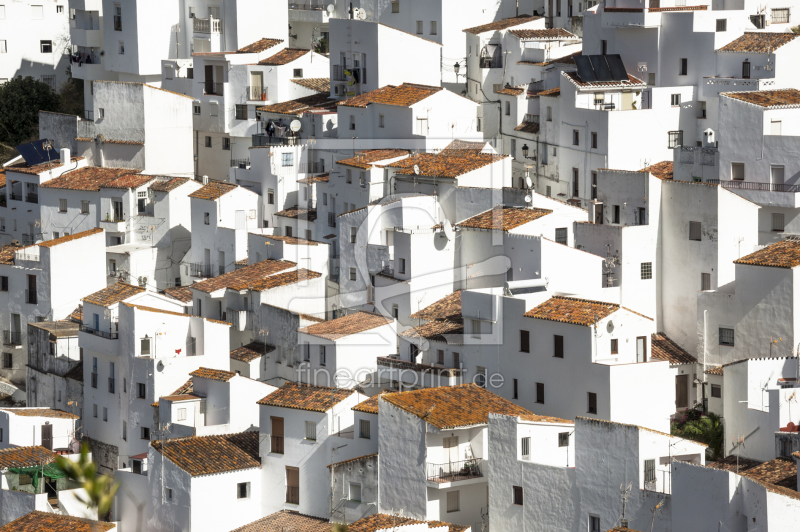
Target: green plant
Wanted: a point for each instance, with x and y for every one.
(21, 99)
(100, 489)
(707, 429)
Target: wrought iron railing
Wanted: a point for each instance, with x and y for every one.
(754, 185)
(16, 196)
(240, 163)
(209, 87)
(32, 198)
(306, 6)
(262, 139)
(103, 334)
(198, 269)
(276, 444)
(12, 338)
(455, 471)
(258, 93)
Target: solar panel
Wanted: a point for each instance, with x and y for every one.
(601, 68)
(618, 71)
(35, 153)
(585, 69)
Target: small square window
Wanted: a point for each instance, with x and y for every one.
(695, 231)
(647, 270)
(526, 446)
(561, 235)
(226, 143)
(518, 495)
(674, 139)
(145, 346)
(243, 490)
(705, 281)
(716, 391)
(169, 494)
(563, 439)
(364, 429)
(84, 206)
(396, 7)
(419, 27)
(46, 47)
(298, 73)
(434, 28)
(241, 111)
(141, 389)
(287, 159)
(59, 9)
(722, 24)
(726, 336)
(380, 121)
(181, 414)
(94, 410)
(145, 433)
(355, 492)
(311, 431)
(675, 100)
(778, 223)
(62, 205)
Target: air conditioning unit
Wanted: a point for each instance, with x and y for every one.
(205, 179)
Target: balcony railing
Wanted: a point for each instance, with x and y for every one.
(111, 386)
(207, 25)
(306, 6)
(753, 185)
(531, 119)
(209, 87)
(31, 297)
(340, 73)
(12, 338)
(262, 139)
(292, 495)
(454, 471)
(16, 196)
(240, 163)
(94, 380)
(198, 269)
(28, 239)
(331, 219)
(32, 198)
(102, 334)
(276, 444)
(257, 93)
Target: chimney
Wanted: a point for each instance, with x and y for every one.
(65, 155)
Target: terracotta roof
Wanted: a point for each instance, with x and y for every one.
(662, 170)
(404, 95)
(76, 373)
(437, 331)
(113, 294)
(251, 351)
(545, 419)
(448, 407)
(449, 307)
(291, 240)
(41, 412)
(59, 329)
(465, 145)
(551, 92)
(511, 91)
(622, 529)
(213, 190)
(346, 325)
(129, 181)
(284, 57)
(306, 397)
(572, 310)
(549, 33)
(259, 46)
(186, 388)
(77, 314)
(376, 522)
(8, 253)
(181, 293)
(68, 238)
(320, 178)
(90, 178)
(169, 186)
(528, 127)
(632, 81)
(663, 348)
(213, 374)
(24, 168)
(370, 406)
(729, 463)
(287, 520)
(209, 455)
(300, 105)
(283, 279)
(26, 456)
(179, 398)
(769, 99)
(352, 460)
(778, 472)
(447, 163)
(758, 42)
(244, 278)
(364, 159)
(782, 254)
(296, 212)
(2, 177)
(172, 313)
(36, 521)
(315, 84)
(717, 370)
(504, 218)
(502, 24)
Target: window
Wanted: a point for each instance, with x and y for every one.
(576, 137)
(452, 501)
(440, 357)
(650, 470)
(206, 218)
(354, 492)
(558, 347)
(352, 122)
(525, 341)
(675, 100)
(208, 142)
(352, 274)
(737, 171)
(647, 270)
(433, 27)
(121, 48)
(540, 393)
(725, 336)
(46, 47)
(141, 390)
(575, 182)
(169, 494)
(125, 430)
(722, 24)
(402, 265)
(594, 140)
(705, 281)
(775, 127)
(145, 346)
(604, 47)
(4, 283)
(226, 143)
(287, 159)
(396, 7)
(105, 414)
(419, 27)
(241, 112)
(145, 433)
(380, 121)
(516, 389)
(297, 73)
(614, 346)
(181, 414)
(478, 125)
(353, 234)
(456, 360)
(196, 109)
(243, 490)
(716, 391)
(615, 216)
(62, 205)
(84, 207)
(363, 429)
(778, 221)
(476, 328)
(518, 495)
(684, 68)
(4, 50)
(270, 196)
(674, 139)
(780, 16)
(59, 9)
(311, 431)
(395, 311)
(480, 376)
(561, 235)
(526, 446)
(322, 355)
(563, 439)
(592, 403)
(695, 230)
(94, 410)
(508, 108)
(2, 16)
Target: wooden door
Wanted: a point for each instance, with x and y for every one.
(681, 391)
(277, 435)
(292, 484)
(641, 349)
(47, 436)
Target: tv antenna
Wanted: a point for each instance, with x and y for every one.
(609, 264)
(625, 493)
(738, 443)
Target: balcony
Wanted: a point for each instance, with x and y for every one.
(32, 198)
(17, 196)
(102, 334)
(207, 25)
(262, 139)
(114, 224)
(237, 318)
(211, 88)
(766, 194)
(713, 86)
(12, 338)
(306, 6)
(240, 163)
(31, 297)
(343, 73)
(198, 269)
(454, 471)
(257, 94)
(28, 239)
(276, 444)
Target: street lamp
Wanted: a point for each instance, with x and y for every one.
(456, 68)
(525, 151)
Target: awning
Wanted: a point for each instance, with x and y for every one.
(52, 471)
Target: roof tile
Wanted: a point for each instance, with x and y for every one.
(300, 105)
(365, 159)
(758, 42)
(181, 293)
(572, 310)
(346, 325)
(284, 57)
(213, 374)
(663, 348)
(89, 178)
(259, 46)
(252, 351)
(169, 186)
(315, 84)
(383, 522)
(113, 294)
(287, 520)
(26, 456)
(448, 332)
(502, 24)
(782, 254)
(542, 34)
(208, 455)
(504, 218)
(67, 238)
(306, 397)
(769, 99)
(37, 521)
(404, 95)
(213, 190)
(244, 278)
(296, 212)
(448, 163)
(41, 412)
(447, 308)
(662, 170)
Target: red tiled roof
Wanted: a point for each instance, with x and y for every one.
(24, 168)
(306, 397)
(404, 95)
(113, 294)
(209, 455)
(528, 127)
(545, 34)
(370, 406)
(662, 170)
(769, 99)
(67, 238)
(365, 159)
(376, 522)
(37, 521)
(556, 92)
(26, 456)
(502, 24)
(314, 84)
(213, 374)
(572, 310)
(663, 348)
(292, 241)
(169, 186)
(129, 181)
(252, 351)
(301, 214)
(782, 254)
(346, 325)
(758, 42)
(287, 521)
(447, 308)
(448, 163)
(438, 331)
(259, 46)
(213, 190)
(504, 218)
(89, 178)
(181, 293)
(284, 57)
(244, 278)
(41, 412)
(300, 105)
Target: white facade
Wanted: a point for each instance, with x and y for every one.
(49, 428)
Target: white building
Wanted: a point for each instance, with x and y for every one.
(54, 356)
(47, 427)
(36, 38)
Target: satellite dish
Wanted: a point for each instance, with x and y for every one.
(362, 15)
(448, 231)
(416, 169)
(528, 199)
(330, 9)
(610, 326)
(295, 126)
(424, 345)
(529, 182)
